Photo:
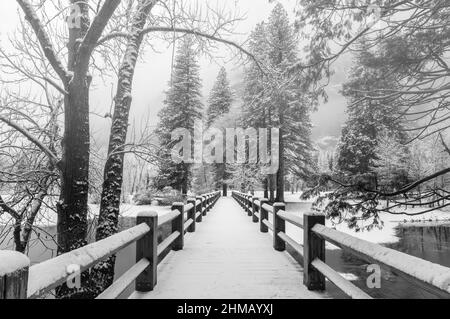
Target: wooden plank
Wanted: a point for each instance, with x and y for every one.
(188, 207)
(268, 208)
(121, 284)
(167, 218)
(49, 274)
(432, 277)
(343, 284)
(268, 224)
(2, 287)
(167, 242)
(289, 240)
(188, 223)
(279, 225)
(16, 284)
(191, 216)
(264, 216)
(14, 267)
(294, 220)
(178, 226)
(146, 247)
(314, 248)
(224, 264)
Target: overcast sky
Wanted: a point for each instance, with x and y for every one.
(153, 73)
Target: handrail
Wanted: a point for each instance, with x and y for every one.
(168, 217)
(167, 242)
(188, 207)
(35, 281)
(291, 241)
(427, 273)
(429, 276)
(121, 284)
(49, 274)
(268, 208)
(291, 218)
(346, 286)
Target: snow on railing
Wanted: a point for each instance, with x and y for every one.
(19, 281)
(13, 267)
(427, 275)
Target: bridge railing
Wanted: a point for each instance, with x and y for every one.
(429, 276)
(20, 281)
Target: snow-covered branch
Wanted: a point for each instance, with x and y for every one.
(44, 40)
(54, 159)
(186, 31)
(97, 27)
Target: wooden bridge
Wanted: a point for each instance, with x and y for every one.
(216, 249)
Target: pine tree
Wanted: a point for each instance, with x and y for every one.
(256, 110)
(183, 107)
(367, 119)
(391, 162)
(220, 100)
(219, 104)
(280, 100)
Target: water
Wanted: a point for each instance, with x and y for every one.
(429, 243)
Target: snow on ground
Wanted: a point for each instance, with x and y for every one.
(228, 257)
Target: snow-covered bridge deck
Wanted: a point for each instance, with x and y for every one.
(227, 257)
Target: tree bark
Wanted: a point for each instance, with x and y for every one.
(72, 207)
(73, 204)
(280, 174)
(103, 273)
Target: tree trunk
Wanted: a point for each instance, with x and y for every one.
(280, 173)
(103, 273)
(73, 204)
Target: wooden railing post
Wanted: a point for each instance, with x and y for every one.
(254, 210)
(279, 225)
(200, 208)
(178, 225)
(313, 247)
(14, 278)
(191, 215)
(264, 215)
(147, 247)
(248, 205)
(205, 205)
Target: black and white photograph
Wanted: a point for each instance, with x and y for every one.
(224, 156)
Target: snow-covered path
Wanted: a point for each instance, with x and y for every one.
(227, 257)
